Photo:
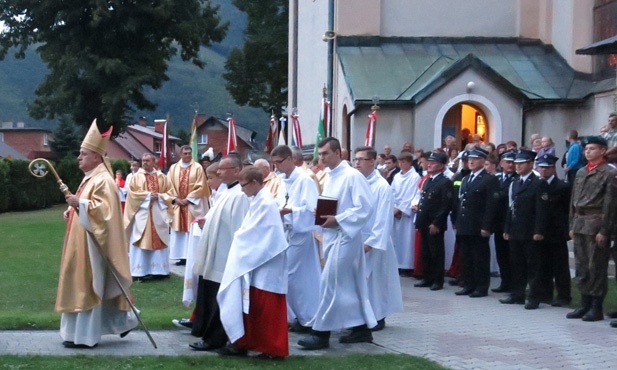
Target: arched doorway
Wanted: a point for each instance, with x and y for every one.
(466, 122)
(490, 117)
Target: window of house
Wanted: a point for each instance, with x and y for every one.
(45, 140)
(1, 137)
(157, 147)
(203, 139)
(604, 26)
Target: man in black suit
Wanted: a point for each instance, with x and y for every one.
(432, 220)
(475, 216)
(391, 167)
(554, 263)
(524, 229)
(502, 250)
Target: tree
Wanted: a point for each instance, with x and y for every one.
(257, 74)
(102, 53)
(184, 136)
(67, 139)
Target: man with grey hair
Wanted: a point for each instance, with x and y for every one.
(298, 160)
(222, 221)
(272, 182)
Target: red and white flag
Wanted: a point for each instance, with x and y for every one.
(369, 140)
(232, 140)
(273, 134)
(163, 160)
(296, 133)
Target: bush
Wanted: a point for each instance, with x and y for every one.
(5, 193)
(122, 165)
(27, 192)
(69, 172)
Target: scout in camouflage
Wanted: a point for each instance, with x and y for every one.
(593, 214)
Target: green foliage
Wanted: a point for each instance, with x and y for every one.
(257, 73)
(183, 135)
(122, 165)
(67, 139)
(69, 172)
(102, 55)
(5, 194)
(27, 192)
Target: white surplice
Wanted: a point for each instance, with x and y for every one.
(343, 290)
(300, 194)
(406, 194)
(256, 258)
(384, 285)
(222, 221)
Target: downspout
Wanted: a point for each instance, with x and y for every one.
(330, 62)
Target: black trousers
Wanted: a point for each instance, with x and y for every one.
(476, 258)
(207, 322)
(555, 266)
(432, 252)
(502, 252)
(525, 256)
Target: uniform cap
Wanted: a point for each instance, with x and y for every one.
(438, 157)
(478, 152)
(525, 155)
(547, 160)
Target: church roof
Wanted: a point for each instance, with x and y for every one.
(409, 69)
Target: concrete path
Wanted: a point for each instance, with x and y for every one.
(457, 332)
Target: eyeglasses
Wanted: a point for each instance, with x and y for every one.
(279, 161)
(226, 168)
(361, 159)
(245, 184)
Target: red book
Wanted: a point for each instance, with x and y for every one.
(326, 206)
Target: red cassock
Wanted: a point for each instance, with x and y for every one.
(265, 327)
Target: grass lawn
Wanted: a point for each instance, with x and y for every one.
(352, 362)
(31, 247)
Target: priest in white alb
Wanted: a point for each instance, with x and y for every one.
(297, 205)
(222, 221)
(384, 284)
(146, 221)
(188, 191)
(344, 300)
(406, 194)
(254, 284)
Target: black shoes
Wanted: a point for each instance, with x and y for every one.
(613, 324)
(532, 304)
(437, 286)
(183, 323)
(181, 262)
(122, 335)
(357, 336)
(68, 344)
(512, 300)
(313, 342)
(231, 350)
(381, 324)
(423, 284)
(581, 311)
(464, 291)
(297, 328)
(501, 289)
(478, 294)
(203, 346)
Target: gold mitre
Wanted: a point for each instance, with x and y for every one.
(96, 141)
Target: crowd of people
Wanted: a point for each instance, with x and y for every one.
(262, 258)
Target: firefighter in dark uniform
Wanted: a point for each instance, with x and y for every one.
(432, 220)
(475, 216)
(524, 229)
(502, 250)
(593, 218)
(457, 180)
(555, 261)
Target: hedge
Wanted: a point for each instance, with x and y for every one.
(21, 191)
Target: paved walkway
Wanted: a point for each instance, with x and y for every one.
(457, 332)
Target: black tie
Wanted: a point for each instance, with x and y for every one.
(471, 177)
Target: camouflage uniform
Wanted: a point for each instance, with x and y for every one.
(593, 210)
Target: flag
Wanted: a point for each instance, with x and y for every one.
(324, 115)
(194, 147)
(164, 158)
(272, 134)
(296, 133)
(282, 136)
(369, 140)
(232, 140)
